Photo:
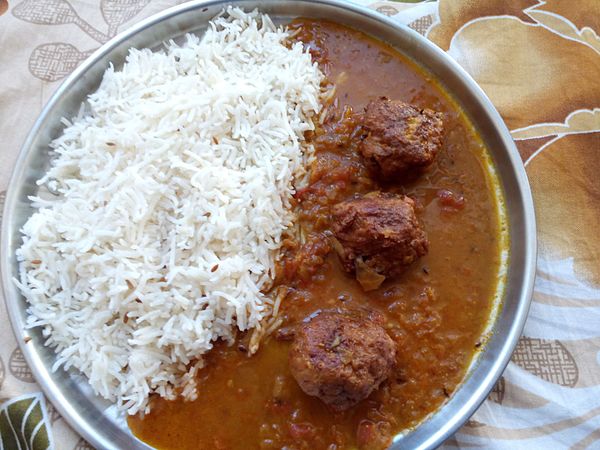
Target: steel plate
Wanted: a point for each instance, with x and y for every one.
(95, 419)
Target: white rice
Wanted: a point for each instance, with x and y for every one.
(174, 193)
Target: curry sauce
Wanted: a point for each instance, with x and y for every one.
(436, 311)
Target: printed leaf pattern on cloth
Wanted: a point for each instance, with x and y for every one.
(46, 12)
(55, 12)
(497, 394)
(53, 61)
(580, 23)
(548, 360)
(422, 24)
(18, 367)
(117, 12)
(525, 93)
(454, 16)
(24, 424)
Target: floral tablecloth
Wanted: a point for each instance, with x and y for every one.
(538, 61)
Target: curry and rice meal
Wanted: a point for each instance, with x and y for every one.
(266, 237)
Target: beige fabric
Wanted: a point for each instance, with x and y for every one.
(539, 61)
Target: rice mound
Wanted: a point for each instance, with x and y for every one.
(173, 190)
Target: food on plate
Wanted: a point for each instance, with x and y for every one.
(175, 188)
(379, 235)
(267, 237)
(341, 357)
(400, 139)
(427, 319)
